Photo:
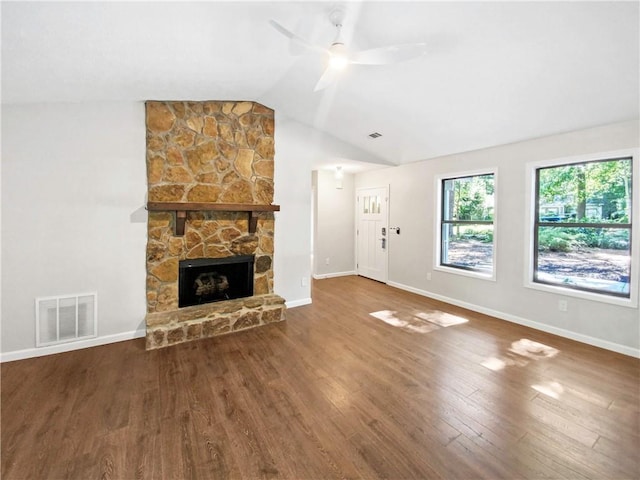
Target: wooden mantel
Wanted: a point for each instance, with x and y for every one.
(181, 209)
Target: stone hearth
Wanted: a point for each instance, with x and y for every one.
(209, 152)
(212, 319)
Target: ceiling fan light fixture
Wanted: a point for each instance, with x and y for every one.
(338, 58)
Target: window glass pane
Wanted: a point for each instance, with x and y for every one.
(468, 198)
(365, 204)
(374, 204)
(468, 246)
(597, 259)
(596, 192)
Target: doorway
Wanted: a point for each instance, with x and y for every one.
(372, 232)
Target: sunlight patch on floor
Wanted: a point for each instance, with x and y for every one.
(520, 354)
(493, 363)
(551, 389)
(442, 319)
(507, 360)
(534, 350)
(419, 322)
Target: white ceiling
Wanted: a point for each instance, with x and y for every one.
(494, 73)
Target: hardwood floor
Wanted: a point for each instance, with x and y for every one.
(333, 392)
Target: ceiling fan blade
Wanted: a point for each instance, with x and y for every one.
(296, 38)
(390, 54)
(329, 77)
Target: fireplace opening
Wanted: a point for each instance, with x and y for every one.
(206, 280)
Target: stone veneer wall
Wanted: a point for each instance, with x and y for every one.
(218, 152)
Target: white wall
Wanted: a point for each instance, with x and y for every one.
(73, 186)
(73, 218)
(292, 263)
(335, 225)
(411, 254)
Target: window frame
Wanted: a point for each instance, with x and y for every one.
(532, 224)
(439, 222)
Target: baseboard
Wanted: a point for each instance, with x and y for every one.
(298, 303)
(596, 342)
(333, 275)
(67, 347)
(94, 342)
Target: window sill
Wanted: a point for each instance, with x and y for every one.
(595, 297)
(466, 273)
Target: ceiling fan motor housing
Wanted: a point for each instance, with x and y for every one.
(337, 16)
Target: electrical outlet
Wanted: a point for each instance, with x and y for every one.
(304, 281)
(429, 276)
(562, 305)
(326, 261)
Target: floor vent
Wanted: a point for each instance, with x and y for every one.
(66, 318)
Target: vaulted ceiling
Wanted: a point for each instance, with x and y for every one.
(493, 72)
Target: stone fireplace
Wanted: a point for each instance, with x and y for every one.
(211, 220)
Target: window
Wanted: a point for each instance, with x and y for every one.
(582, 226)
(371, 204)
(467, 210)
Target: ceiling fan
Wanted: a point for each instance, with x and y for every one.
(339, 56)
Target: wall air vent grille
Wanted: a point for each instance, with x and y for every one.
(67, 318)
(375, 135)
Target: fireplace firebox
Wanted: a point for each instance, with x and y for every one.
(206, 280)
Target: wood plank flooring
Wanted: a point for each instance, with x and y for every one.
(331, 393)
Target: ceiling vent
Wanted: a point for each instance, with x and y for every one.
(375, 135)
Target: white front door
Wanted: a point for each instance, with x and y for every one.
(372, 232)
